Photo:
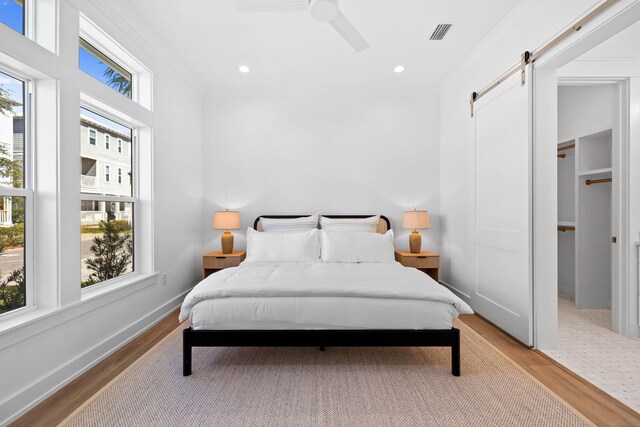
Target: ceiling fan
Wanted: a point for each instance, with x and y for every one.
(322, 10)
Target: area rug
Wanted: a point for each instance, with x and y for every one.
(337, 387)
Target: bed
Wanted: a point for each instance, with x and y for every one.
(321, 304)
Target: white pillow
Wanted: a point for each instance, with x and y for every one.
(357, 247)
(369, 224)
(304, 223)
(283, 247)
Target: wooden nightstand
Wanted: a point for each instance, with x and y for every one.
(428, 262)
(216, 261)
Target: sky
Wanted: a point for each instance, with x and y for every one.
(11, 15)
(110, 123)
(92, 66)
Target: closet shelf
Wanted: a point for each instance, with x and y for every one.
(596, 172)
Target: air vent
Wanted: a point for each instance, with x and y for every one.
(440, 31)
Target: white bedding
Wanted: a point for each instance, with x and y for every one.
(321, 295)
(321, 313)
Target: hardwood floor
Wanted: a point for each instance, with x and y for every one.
(57, 407)
(593, 403)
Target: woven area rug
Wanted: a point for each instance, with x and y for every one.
(338, 387)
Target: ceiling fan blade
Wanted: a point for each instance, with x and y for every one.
(272, 5)
(349, 32)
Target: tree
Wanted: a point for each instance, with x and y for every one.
(10, 170)
(113, 252)
(6, 105)
(118, 81)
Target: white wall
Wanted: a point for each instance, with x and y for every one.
(332, 151)
(583, 110)
(44, 354)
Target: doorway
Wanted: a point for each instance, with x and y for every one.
(596, 145)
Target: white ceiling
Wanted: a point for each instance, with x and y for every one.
(293, 49)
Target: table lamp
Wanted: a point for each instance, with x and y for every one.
(226, 220)
(415, 219)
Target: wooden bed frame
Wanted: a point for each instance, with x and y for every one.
(322, 337)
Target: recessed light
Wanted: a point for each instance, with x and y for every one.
(398, 69)
(243, 69)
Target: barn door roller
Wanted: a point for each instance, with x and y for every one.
(530, 57)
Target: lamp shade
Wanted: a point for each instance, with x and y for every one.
(416, 219)
(226, 220)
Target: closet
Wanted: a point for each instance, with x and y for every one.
(585, 219)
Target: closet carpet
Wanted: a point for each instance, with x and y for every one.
(588, 347)
(341, 386)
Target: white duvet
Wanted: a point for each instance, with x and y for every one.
(265, 280)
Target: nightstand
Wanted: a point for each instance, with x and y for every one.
(428, 262)
(216, 261)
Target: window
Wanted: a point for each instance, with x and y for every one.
(119, 145)
(106, 140)
(89, 205)
(103, 68)
(15, 194)
(92, 137)
(12, 14)
(107, 210)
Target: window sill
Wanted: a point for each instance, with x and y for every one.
(112, 285)
(38, 320)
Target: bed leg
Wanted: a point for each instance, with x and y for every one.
(186, 353)
(321, 348)
(455, 352)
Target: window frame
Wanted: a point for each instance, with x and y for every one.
(134, 199)
(107, 173)
(26, 191)
(119, 145)
(107, 141)
(95, 138)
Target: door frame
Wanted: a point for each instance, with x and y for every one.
(545, 260)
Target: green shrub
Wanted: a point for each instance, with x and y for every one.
(119, 225)
(12, 236)
(13, 291)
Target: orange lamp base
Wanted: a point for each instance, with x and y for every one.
(226, 241)
(415, 242)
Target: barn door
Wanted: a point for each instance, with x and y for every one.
(503, 220)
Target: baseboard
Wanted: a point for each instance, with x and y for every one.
(465, 297)
(38, 391)
(567, 289)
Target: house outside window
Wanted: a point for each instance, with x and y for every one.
(107, 204)
(15, 196)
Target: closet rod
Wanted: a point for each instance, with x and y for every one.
(598, 181)
(564, 228)
(562, 156)
(567, 147)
